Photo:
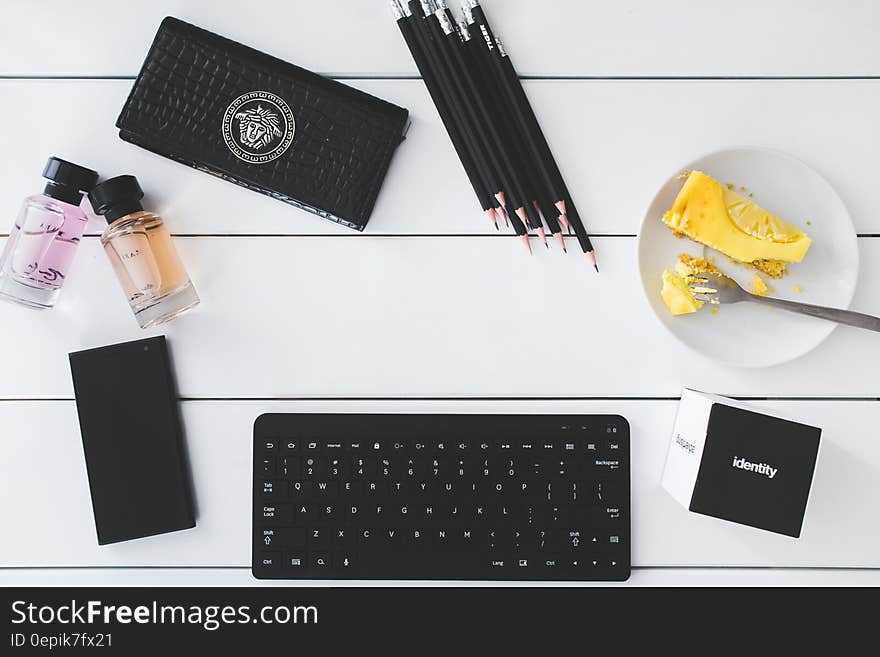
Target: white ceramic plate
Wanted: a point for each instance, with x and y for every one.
(746, 334)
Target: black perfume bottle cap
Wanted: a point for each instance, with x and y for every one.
(117, 197)
(67, 181)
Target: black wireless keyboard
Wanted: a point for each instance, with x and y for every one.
(441, 497)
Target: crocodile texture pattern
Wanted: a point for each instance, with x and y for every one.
(343, 141)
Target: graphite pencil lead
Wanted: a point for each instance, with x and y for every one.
(525, 240)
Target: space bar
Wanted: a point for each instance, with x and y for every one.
(399, 563)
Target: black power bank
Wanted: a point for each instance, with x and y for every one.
(132, 439)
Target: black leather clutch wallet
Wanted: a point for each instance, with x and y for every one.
(262, 123)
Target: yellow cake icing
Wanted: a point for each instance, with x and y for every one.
(714, 215)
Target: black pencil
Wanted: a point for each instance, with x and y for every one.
(532, 130)
(484, 197)
(475, 105)
(483, 75)
(432, 43)
(485, 72)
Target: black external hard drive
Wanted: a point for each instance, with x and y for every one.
(132, 439)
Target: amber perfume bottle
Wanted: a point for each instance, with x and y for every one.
(142, 254)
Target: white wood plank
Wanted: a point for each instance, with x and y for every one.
(413, 317)
(46, 513)
(562, 37)
(241, 577)
(617, 143)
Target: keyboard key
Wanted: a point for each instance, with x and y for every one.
(498, 563)
(301, 490)
(345, 562)
(319, 537)
(304, 513)
(310, 467)
(274, 490)
(295, 561)
(278, 514)
(321, 561)
(269, 560)
(269, 464)
(326, 490)
(290, 447)
(334, 467)
(291, 537)
(343, 536)
(269, 537)
(289, 467)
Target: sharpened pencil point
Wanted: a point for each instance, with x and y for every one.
(561, 240)
(490, 214)
(543, 236)
(563, 221)
(591, 258)
(525, 240)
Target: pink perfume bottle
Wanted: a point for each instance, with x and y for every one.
(43, 240)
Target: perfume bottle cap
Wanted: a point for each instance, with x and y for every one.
(117, 197)
(67, 181)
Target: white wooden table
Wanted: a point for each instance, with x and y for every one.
(419, 314)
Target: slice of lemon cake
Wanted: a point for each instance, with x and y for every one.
(714, 215)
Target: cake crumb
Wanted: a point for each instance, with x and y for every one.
(730, 186)
(798, 288)
(773, 268)
(715, 310)
(809, 223)
(759, 287)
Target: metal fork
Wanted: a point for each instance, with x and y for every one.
(719, 288)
